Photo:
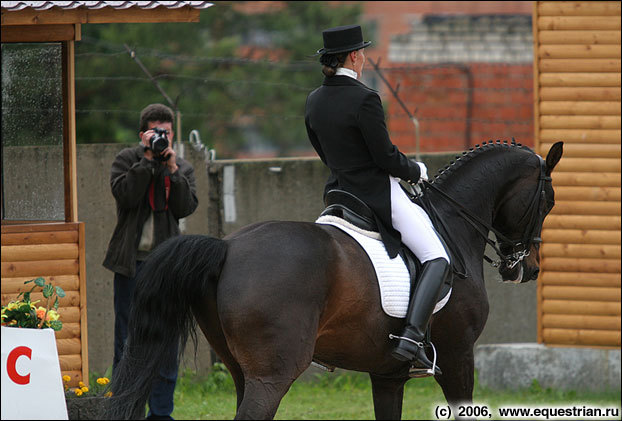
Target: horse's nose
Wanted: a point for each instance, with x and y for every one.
(534, 274)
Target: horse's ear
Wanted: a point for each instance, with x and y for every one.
(553, 157)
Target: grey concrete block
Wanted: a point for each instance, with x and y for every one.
(516, 366)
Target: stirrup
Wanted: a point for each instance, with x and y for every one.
(417, 372)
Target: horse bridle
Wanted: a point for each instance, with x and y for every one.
(519, 248)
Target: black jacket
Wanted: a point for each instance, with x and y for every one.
(345, 123)
(130, 178)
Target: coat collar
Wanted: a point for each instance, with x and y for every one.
(341, 80)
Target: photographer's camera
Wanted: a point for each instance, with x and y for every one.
(158, 144)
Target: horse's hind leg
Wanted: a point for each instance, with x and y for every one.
(271, 358)
(262, 397)
(209, 322)
(388, 396)
(270, 367)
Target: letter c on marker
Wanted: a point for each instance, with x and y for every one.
(11, 362)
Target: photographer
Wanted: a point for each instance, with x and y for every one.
(153, 189)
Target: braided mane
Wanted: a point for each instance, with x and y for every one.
(478, 150)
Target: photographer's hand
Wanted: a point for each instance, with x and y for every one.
(171, 162)
(144, 138)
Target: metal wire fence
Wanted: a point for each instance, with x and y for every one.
(456, 104)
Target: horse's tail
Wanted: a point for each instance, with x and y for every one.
(174, 277)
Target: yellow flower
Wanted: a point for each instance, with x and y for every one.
(108, 394)
(81, 384)
(103, 380)
(66, 378)
(12, 305)
(84, 389)
(52, 315)
(78, 392)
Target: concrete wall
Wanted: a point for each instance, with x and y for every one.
(516, 366)
(281, 189)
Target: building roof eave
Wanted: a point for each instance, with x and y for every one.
(78, 12)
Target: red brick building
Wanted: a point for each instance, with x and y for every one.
(465, 67)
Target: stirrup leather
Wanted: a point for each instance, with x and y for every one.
(416, 371)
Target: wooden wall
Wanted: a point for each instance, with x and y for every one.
(577, 101)
(54, 251)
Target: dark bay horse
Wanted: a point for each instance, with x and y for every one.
(274, 296)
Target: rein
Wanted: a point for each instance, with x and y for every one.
(520, 248)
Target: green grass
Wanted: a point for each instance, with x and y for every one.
(347, 395)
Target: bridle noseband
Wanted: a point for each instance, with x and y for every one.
(519, 248)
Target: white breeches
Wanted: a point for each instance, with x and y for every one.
(418, 233)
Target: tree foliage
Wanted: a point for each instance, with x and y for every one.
(239, 78)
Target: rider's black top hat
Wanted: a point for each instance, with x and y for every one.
(342, 39)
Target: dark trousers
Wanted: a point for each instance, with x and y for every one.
(161, 398)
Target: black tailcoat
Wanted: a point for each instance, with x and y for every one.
(345, 123)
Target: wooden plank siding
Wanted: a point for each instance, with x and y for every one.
(54, 251)
(577, 101)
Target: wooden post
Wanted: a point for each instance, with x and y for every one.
(84, 343)
(536, 139)
(69, 133)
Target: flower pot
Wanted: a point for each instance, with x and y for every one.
(85, 407)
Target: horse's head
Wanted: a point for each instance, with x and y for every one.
(521, 215)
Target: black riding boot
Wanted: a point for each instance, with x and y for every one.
(422, 303)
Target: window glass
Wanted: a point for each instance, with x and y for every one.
(32, 132)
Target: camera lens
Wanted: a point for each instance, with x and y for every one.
(158, 144)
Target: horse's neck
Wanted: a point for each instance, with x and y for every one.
(476, 185)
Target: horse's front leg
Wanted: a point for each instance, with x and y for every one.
(454, 332)
(457, 379)
(388, 396)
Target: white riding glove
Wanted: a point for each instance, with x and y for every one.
(424, 171)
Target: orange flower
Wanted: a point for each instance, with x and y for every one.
(40, 313)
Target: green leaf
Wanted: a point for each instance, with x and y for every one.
(56, 304)
(56, 325)
(39, 281)
(48, 290)
(60, 292)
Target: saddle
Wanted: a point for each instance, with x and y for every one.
(345, 205)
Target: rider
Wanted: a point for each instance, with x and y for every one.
(345, 123)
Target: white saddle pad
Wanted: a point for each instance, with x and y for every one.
(392, 274)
